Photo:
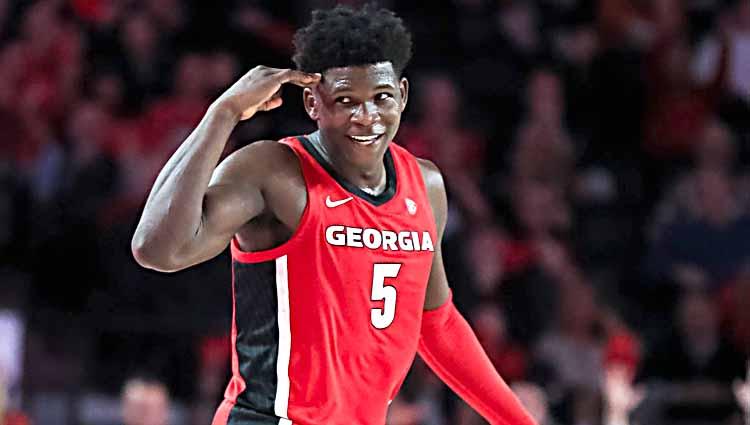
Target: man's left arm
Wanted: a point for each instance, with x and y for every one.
(447, 343)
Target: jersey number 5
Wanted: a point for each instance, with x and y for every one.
(381, 318)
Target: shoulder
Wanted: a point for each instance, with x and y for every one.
(433, 179)
(263, 153)
(258, 161)
(430, 172)
(435, 186)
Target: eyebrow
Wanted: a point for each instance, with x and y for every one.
(341, 87)
(385, 86)
(346, 86)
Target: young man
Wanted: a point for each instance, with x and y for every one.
(335, 238)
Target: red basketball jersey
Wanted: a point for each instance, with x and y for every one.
(326, 326)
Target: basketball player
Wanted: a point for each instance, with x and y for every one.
(338, 279)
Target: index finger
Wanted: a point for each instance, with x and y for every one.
(299, 78)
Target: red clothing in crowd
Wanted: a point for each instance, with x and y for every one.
(15, 418)
(168, 122)
(678, 111)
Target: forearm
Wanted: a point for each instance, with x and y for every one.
(450, 348)
(174, 207)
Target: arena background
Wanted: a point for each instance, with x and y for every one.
(595, 154)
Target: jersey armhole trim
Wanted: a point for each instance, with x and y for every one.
(269, 254)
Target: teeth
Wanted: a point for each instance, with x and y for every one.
(365, 138)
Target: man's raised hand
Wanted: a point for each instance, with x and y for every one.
(260, 90)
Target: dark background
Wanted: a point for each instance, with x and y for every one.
(595, 154)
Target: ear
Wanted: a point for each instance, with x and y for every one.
(311, 104)
(404, 88)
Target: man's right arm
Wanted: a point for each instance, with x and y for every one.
(194, 208)
(183, 220)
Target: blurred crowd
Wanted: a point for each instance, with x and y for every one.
(595, 153)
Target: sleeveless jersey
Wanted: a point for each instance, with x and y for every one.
(326, 326)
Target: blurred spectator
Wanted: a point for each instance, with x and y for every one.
(638, 23)
(735, 23)
(574, 352)
(9, 416)
(622, 349)
(677, 107)
(420, 399)
(624, 22)
(91, 173)
(224, 70)
(87, 181)
(536, 263)
(145, 401)
(742, 393)
(518, 22)
(107, 89)
(620, 396)
(715, 151)
(264, 28)
(685, 251)
(539, 268)
(212, 376)
(708, 204)
(510, 359)
(735, 309)
(142, 58)
(543, 149)
(541, 163)
(622, 357)
(98, 13)
(261, 24)
(695, 364)
(485, 259)
(170, 16)
(40, 73)
(474, 32)
(499, 43)
(440, 137)
(52, 54)
(12, 333)
(540, 210)
(404, 413)
(168, 121)
(535, 400)
(578, 45)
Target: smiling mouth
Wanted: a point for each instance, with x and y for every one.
(366, 140)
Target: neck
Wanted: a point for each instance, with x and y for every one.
(370, 177)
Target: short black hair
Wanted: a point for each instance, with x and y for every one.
(343, 36)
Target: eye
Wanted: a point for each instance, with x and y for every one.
(383, 96)
(344, 100)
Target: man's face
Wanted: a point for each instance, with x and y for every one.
(358, 110)
(145, 404)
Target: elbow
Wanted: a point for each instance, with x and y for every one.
(150, 257)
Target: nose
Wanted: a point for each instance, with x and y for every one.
(365, 113)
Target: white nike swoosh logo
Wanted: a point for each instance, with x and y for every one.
(334, 204)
